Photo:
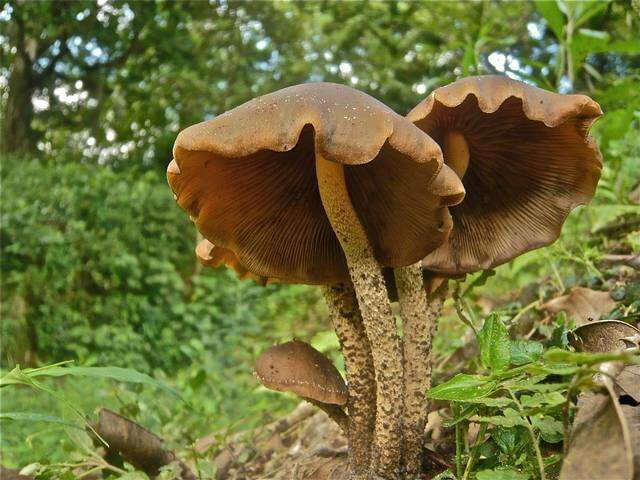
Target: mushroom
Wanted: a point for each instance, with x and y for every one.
(299, 368)
(322, 184)
(604, 336)
(525, 159)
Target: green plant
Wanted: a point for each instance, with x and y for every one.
(519, 401)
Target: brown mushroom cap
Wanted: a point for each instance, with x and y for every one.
(604, 336)
(248, 179)
(525, 159)
(297, 367)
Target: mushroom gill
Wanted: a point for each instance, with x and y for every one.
(524, 157)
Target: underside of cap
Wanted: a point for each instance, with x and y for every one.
(248, 179)
(530, 162)
(297, 367)
(211, 256)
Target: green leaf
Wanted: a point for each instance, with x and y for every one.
(502, 474)
(494, 344)
(498, 402)
(553, 15)
(589, 10)
(114, 373)
(463, 387)
(510, 440)
(559, 356)
(562, 369)
(542, 399)
(551, 430)
(509, 418)
(525, 351)
(37, 417)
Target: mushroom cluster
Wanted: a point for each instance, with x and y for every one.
(322, 184)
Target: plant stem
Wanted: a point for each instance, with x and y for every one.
(473, 454)
(456, 411)
(534, 439)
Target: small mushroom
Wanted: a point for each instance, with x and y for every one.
(322, 184)
(604, 336)
(299, 368)
(524, 157)
(607, 336)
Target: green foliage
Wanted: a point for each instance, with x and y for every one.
(107, 259)
(495, 348)
(524, 405)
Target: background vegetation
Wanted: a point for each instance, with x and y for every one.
(97, 260)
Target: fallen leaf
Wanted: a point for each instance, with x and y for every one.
(581, 304)
(629, 381)
(600, 446)
(632, 415)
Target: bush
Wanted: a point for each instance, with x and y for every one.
(98, 266)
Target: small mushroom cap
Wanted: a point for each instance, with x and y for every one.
(297, 367)
(604, 336)
(525, 160)
(248, 179)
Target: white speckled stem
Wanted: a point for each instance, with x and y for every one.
(419, 319)
(347, 322)
(377, 317)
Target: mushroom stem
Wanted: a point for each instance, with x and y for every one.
(334, 412)
(418, 323)
(347, 323)
(379, 322)
(456, 152)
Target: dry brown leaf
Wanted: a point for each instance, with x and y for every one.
(135, 444)
(632, 415)
(629, 382)
(600, 446)
(581, 304)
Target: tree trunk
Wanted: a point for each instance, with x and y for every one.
(16, 132)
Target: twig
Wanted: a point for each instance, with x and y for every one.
(524, 310)
(457, 301)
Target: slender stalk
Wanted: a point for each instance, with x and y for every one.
(334, 412)
(534, 439)
(347, 323)
(418, 323)
(456, 411)
(375, 309)
(473, 454)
